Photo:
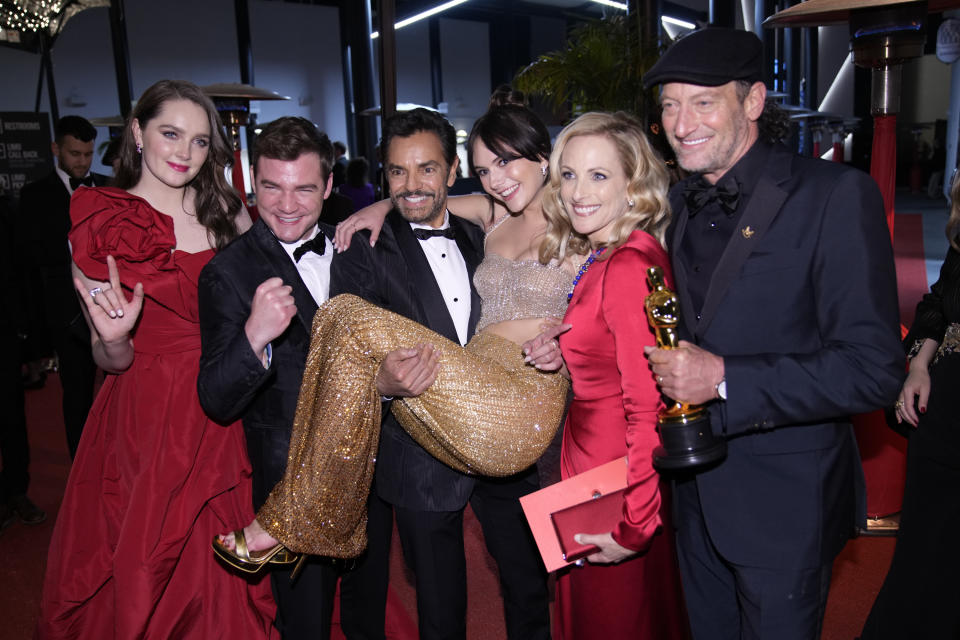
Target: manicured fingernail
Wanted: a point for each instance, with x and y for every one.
(112, 313)
(120, 312)
(923, 409)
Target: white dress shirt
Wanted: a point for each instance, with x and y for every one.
(313, 268)
(450, 271)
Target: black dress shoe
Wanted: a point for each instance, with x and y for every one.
(7, 516)
(29, 513)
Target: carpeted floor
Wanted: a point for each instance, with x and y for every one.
(858, 572)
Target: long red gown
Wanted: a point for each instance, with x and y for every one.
(154, 480)
(615, 400)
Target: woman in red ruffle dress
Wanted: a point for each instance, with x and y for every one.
(154, 479)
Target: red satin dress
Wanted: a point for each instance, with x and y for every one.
(615, 401)
(154, 479)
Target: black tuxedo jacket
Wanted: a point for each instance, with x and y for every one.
(43, 224)
(396, 276)
(803, 308)
(233, 383)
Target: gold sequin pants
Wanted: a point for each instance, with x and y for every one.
(488, 413)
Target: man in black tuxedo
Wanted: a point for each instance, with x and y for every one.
(422, 268)
(45, 220)
(257, 300)
(785, 276)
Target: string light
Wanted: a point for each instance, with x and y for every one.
(28, 15)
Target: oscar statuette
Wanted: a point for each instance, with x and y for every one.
(686, 439)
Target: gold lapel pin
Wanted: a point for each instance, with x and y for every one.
(747, 232)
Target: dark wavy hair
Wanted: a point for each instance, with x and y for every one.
(406, 123)
(217, 203)
(773, 124)
(510, 131)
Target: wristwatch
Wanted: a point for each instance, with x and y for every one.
(722, 389)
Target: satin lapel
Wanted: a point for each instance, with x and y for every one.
(59, 190)
(679, 271)
(281, 266)
(763, 207)
(425, 290)
(472, 255)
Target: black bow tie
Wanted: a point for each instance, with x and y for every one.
(318, 245)
(700, 193)
(76, 182)
(426, 234)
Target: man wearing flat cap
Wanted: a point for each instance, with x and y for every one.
(785, 276)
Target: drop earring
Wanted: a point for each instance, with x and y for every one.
(630, 203)
(139, 148)
(543, 170)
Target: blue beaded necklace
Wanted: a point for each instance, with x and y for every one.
(583, 269)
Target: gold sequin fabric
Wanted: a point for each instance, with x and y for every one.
(487, 413)
(515, 289)
(950, 343)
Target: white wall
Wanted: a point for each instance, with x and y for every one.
(926, 90)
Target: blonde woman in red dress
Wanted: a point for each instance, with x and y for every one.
(607, 197)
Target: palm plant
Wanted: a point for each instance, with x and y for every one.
(600, 68)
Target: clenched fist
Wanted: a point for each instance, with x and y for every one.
(272, 309)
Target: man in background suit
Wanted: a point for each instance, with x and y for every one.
(257, 300)
(43, 223)
(422, 268)
(14, 446)
(785, 277)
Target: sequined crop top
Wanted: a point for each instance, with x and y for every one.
(519, 289)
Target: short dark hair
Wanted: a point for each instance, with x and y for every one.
(79, 128)
(290, 137)
(510, 131)
(404, 124)
(339, 147)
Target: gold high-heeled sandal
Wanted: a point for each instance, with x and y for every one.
(241, 559)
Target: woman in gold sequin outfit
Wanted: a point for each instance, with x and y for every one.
(489, 412)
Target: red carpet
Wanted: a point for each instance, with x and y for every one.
(858, 572)
(911, 265)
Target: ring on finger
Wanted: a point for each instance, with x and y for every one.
(898, 404)
(96, 291)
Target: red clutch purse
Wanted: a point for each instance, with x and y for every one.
(600, 514)
(558, 512)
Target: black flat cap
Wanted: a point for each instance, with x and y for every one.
(709, 57)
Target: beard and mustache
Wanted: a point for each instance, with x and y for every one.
(422, 214)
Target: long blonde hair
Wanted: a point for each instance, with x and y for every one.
(953, 223)
(647, 184)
